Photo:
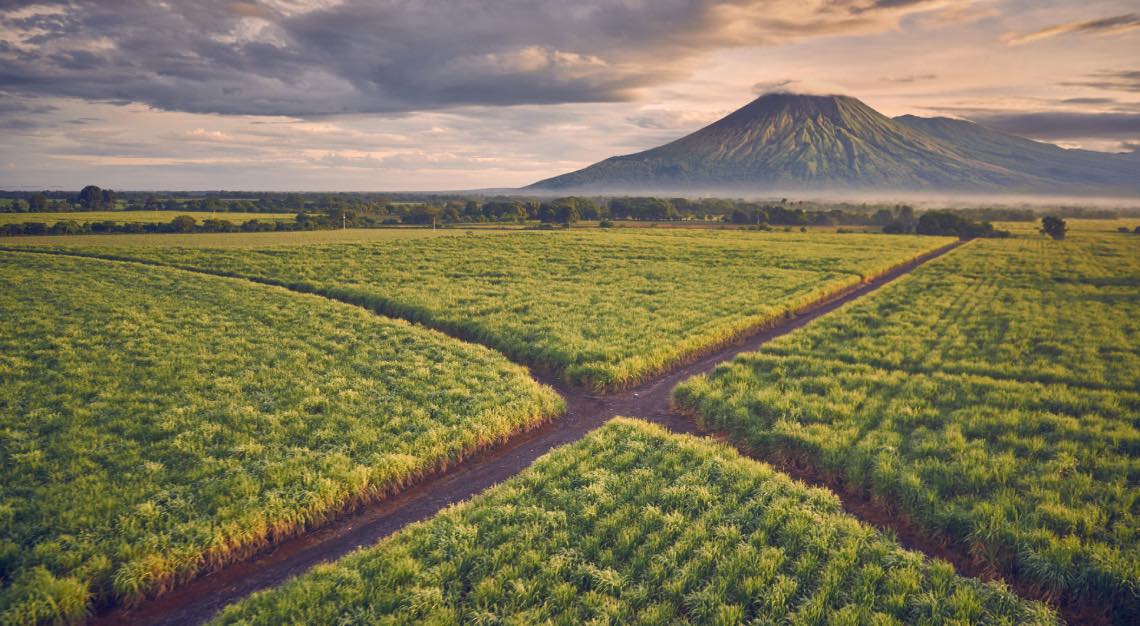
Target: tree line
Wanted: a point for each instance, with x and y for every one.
(180, 224)
(368, 210)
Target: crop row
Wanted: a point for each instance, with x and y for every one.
(603, 309)
(633, 525)
(991, 397)
(1029, 310)
(158, 423)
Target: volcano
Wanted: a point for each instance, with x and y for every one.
(791, 142)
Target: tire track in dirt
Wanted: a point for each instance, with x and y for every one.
(198, 600)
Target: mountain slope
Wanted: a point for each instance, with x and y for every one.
(1080, 168)
(786, 141)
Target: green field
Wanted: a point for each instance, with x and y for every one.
(633, 525)
(235, 240)
(992, 397)
(602, 308)
(1079, 228)
(141, 217)
(158, 423)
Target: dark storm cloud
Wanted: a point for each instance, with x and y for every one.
(297, 58)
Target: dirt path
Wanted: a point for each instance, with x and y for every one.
(199, 599)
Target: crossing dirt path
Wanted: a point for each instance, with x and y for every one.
(199, 599)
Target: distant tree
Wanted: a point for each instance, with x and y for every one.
(948, 223)
(38, 202)
(218, 226)
(1136, 230)
(294, 201)
(740, 216)
(568, 214)
(547, 212)
(643, 209)
(882, 217)
(1054, 227)
(69, 227)
(422, 214)
(91, 198)
(183, 224)
(568, 211)
(905, 217)
(451, 213)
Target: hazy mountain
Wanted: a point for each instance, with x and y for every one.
(786, 141)
(1045, 160)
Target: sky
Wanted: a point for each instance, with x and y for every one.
(354, 95)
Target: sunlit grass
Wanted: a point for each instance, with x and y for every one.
(602, 308)
(157, 423)
(992, 396)
(633, 525)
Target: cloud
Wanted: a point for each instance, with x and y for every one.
(670, 120)
(1055, 125)
(910, 78)
(1120, 80)
(1115, 25)
(1087, 101)
(794, 85)
(290, 57)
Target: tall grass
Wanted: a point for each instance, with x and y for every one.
(992, 397)
(602, 309)
(633, 525)
(158, 423)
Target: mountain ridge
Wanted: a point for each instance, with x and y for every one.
(790, 141)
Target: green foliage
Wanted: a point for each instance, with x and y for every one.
(947, 223)
(604, 308)
(1054, 227)
(992, 396)
(634, 525)
(158, 422)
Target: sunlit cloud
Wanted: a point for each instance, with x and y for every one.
(1115, 25)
